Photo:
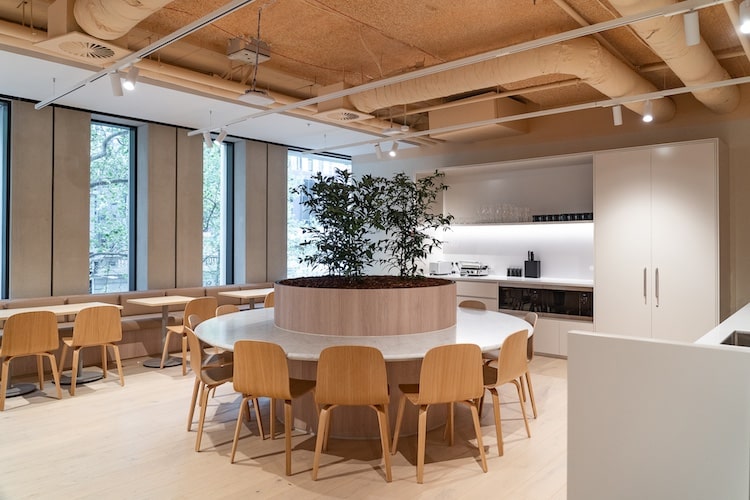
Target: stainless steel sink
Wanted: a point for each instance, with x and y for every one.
(738, 338)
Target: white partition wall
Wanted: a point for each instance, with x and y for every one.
(657, 420)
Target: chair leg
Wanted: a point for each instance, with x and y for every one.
(55, 376)
(74, 371)
(104, 360)
(478, 431)
(272, 423)
(40, 371)
(63, 355)
(202, 419)
(4, 383)
(449, 425)
(498, 428)
(193, 401)
(384, 439)
(184, 354)
(523, 408)
(118, 361)
(288, 435)
(531, 393)
(256, 405)
(523, 389)
(421, 438)
(243, 407)
(319, 439)
(165, 352)
(399, 418)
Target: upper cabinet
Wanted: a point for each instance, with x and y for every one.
(558, 189)
(658, 247)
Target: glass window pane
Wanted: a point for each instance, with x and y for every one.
(109, 216)
(301, 169)
(4, 131)
(214, 215)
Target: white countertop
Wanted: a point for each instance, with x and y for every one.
(543, 281)
(487, 329)
(737, 321)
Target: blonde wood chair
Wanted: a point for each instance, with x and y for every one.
(269, 301)
(226, 309)
(208, 376)
(449, 373)
(29, 334)
(511, 366)
(351, 376)
(204, 308)
(261, 370)
(473, 304)
(94, 326)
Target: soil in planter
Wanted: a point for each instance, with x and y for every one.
(364, 282)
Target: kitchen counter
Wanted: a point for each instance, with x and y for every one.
(737, 321)
(520, 281)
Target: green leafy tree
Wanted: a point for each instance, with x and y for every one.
(213, 165)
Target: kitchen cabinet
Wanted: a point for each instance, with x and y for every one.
(551, 335)
(485, 292)
(657, 255)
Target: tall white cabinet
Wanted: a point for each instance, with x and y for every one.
(658, 258)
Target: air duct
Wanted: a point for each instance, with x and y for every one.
(693, 65)
(111, 19)
(583, 58)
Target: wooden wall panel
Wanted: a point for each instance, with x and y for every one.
(70, 202)
(251, 197)
(276, 234)
(30, 217)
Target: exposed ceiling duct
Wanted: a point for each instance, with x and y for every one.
(693, 65)
(111, 19)
(584, 58)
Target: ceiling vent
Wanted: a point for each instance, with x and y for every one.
(477, 111)
(84, 48)
(338, 110)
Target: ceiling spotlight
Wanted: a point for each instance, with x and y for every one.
(404, 128)
(130, 79)
(116, 83)
(648, 113)
(692, 28)
(220, 138)
(390, 130)
(257, 97)
(617, 115)
(392, 152)
(745, 16)
(378, 152)
(207, 139)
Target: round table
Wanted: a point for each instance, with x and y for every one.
(403, 354)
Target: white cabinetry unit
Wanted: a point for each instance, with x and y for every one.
(485, 292)
(656, 240)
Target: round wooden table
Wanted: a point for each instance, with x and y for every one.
(403, 354)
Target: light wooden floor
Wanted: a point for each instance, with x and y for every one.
(110, 442)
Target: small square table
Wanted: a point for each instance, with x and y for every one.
(250, 294)
(163, 301)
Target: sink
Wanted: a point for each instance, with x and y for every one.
(738, 338)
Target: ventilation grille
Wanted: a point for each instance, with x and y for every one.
(84, 48)
(342, 115)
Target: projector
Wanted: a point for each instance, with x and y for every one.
(239, 49)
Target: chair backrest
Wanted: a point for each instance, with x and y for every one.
(351, 375)
(512, 363)
(473, 304)
(531, 318)
(451, 372)
(269, 300)
(261, 369)
(203, 307)
(97, 325)
(29, 333)
(227, 309)
(197, 354)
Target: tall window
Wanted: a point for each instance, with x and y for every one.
(301, 169)
(4, 132)
(216, 215)
(112, 159)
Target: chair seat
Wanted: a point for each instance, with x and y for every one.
(179, 329)
(217, 374)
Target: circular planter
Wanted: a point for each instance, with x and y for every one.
(365, 311)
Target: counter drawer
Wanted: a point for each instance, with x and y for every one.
(473, 289)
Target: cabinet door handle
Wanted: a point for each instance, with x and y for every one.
(656, 285)
(645, 295)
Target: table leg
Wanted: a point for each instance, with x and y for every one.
(170, 361)
(82, 377)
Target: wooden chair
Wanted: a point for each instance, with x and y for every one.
(226, 309)
(261, 370)
(269, 300)
(351, 376)
(473, 304)
(29, 334)
(207, 377)
(450, 373)
(511, 366)
(94, 326)
(203, 307)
